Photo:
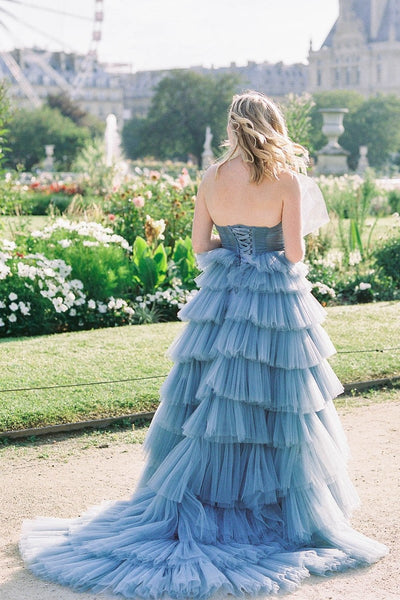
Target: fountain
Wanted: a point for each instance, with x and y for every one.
(112, 140)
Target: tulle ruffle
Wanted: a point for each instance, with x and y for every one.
(245, 489)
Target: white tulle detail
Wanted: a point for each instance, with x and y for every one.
(313, 208)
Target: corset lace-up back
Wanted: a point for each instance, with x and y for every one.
(243, 238)
(251, 239)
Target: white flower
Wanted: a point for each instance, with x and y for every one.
(59, 304)
(2, 323)
(364, 286)
(102, 308)
(52, 290)
(324, 289)
(111, 304)
(119, 303)
(24, 308)
(129, 310)
(72, 312)
(91, 304)
(26, 270)
(4, 270)
(12, 296)
(65, 243)
(354, 258)
(77, 284)
(8, 245)
(13, 306)
(12, 318)
(70, 297)
(2, 304)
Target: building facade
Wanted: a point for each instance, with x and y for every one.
(276, 80)
(102, 89)
(32, 74)
(362, 50)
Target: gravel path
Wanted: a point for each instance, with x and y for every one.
(63, 476)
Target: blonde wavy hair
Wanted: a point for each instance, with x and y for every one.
(260, 136)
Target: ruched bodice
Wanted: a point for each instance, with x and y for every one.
(251, 239)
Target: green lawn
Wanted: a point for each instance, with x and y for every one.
(10, 225)
(139, 351)
(381, 228)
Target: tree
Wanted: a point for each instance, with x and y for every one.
(183, 105)
(67, 107)
(376, 124)
(72, 109)
(297, 112)
(133, 137)
(31, 130)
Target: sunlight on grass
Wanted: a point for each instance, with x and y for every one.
(139, 351)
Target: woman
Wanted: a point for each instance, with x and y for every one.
(245, 488)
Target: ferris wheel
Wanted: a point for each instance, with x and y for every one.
(16, 17)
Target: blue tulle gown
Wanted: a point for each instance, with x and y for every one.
(245, 489)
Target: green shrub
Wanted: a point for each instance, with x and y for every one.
(387, 257)
(394, 200)
(183, 263)
(368, 287)
(96, 256)
(42, 203)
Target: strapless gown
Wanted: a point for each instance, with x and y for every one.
(245, 488)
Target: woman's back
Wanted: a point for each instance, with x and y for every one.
(232, 199)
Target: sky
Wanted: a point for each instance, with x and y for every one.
(165, 34)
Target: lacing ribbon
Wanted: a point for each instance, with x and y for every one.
(243, 238)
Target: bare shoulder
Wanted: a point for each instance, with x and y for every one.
(289, 182)
(209, 175)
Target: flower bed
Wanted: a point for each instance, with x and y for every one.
(127, 258)
(71, 276)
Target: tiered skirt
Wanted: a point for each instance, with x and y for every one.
(245, 488)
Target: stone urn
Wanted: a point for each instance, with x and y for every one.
(332, 158)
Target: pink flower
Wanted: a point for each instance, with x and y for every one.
(184, 178)
(111, 217)
(138, 201)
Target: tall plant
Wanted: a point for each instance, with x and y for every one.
(4, 114)
(149, 265)
(349, 199)
(97, 176)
